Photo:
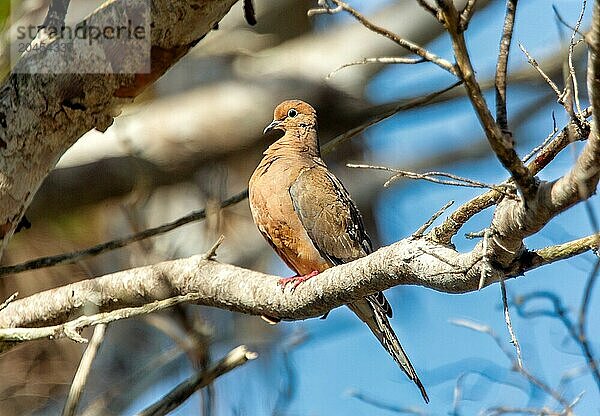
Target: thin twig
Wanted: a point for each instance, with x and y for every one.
(572, 73)
(560, 312)
(140, 376)
(72, 329)
(8, 300)
(428, 7)
(387, 406)
(520, 369)
(75, 256)
(467, 14)
(289, 384)
(455, 180)
(547, 255)
(444, 232)
(560, 142)
(183, 391)
(381, 60)
(83, 371)
(408, 45)
(545, 142)
(566, 24)
(416, 102)
(502, 64)
(212, 251)
(536, 66)
(506, 410)
(421, 230)
(511, 330)
(323, 9)
(457, 394)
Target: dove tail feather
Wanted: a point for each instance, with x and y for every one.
(371, 313)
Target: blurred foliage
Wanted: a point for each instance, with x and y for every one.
(4, 13)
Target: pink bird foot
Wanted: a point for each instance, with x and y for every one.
(296, 280)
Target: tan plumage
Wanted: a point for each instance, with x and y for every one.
(309, 219)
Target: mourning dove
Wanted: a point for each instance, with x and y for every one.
(307, 216)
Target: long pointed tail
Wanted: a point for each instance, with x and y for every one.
(372, 311)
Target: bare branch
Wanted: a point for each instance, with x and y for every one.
(467, 14)
(511, 331)
(544, 143)
(382, 60)
(536, 66)
(128, 293)
(428, 7)
(560, 142)
(558, 311)
(324, 9)
(505, 410)
(455, 180)
(551, 254)
(73, 257)
(332, 144)
(554, 197)
(183, 391)
(421, 230)
(572, 73)
(445, 231)
(9, 300)
(83, 371)
(387, 406)
(501, 143)
(520, 369)
(408, 45)
(565, 23)
(502, 64)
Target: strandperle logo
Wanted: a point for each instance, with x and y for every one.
(84, 31)
(113, 39)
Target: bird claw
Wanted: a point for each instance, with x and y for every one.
(295, 281)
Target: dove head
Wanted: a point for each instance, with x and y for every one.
(293, 115)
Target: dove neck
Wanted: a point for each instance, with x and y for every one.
(302, 143)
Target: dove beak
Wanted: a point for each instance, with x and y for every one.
(275, 124)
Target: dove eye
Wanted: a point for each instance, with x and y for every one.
(292, 113)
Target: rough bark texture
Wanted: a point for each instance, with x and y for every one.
(410, 262)
(229, 287)
(42, 115)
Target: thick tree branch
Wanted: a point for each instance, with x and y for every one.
(42, 115)
(412, 261)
